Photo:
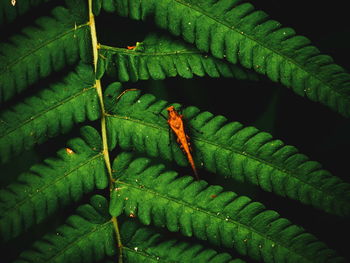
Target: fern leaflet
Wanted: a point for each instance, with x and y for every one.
(85, 237)
(57, 182)
(88, 236)
(51, 44)
(144, 244)
(153, 195)
(234, 30)
(228, 149)
(52, 111)
(159, 57)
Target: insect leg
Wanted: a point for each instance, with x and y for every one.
(125, 91)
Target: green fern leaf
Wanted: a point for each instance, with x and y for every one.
(159, 57)
(153, 195)
(234, 30)
(9, 12)
(51, 44)
(52, 111)
(228, 149)
(87, 236)
(96, 7)
(144, 244)
(57, 182)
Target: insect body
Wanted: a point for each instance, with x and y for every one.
(69, 151)
(176, 124)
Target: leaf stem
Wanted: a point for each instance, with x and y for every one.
(98, 86)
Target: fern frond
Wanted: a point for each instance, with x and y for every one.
(54, 110)
(153, 195)
(9, 12)
(228, 149)
(87, 236)
(48, 46)
(145, 244)
(234, 30)
(159, 57)
(53, 184)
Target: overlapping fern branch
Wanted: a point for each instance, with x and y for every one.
(49, 45)
(160, 56)
(87, 236)
(54, 110)
(145, 244)
(233, 30)
(227, 149)
(39, 193)
(181, 204)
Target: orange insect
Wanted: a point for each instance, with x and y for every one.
(138, 45)
(177, 126)
(69, 151)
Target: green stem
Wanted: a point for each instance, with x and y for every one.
(98, 87)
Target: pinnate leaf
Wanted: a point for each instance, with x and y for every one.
(160, 56)
(145, 244)
(162, 198)
(52, 111)
(48, 46)
(86, 236)
(235, 31)
(225, 148)
(53, 184)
